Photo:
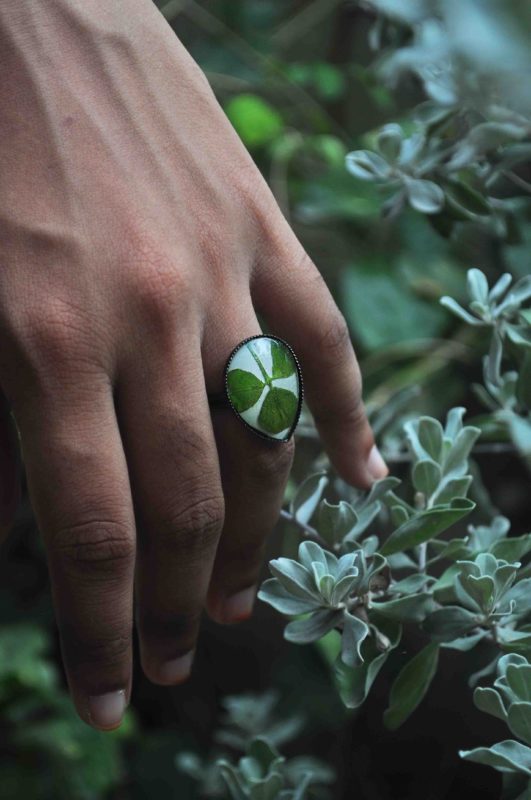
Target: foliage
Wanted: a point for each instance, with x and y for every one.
(61, 756)
(251, 728)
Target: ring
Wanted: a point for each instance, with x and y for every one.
(263, 386)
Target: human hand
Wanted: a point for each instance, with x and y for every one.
(138, 242)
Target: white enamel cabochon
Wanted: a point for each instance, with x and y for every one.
(255, 356)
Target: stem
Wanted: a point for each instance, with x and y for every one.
(309, 532)
(265, 376)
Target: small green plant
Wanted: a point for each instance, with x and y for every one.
(251, 728)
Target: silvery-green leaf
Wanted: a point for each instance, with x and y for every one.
(512, 549)
(304, 631)
(389, 141)
(465, 643)
(489, 700)
(380, 489)
(514, 641)
(424, 196)
(367, 166)
(456, 461)
(399, 515)
(519, 334)
(520, 594)
(500, 287)
(342, 589)
(308, 496)
(346, 565)
(454, 422)
(521, 291)
(412, 608)
(326, 586)
(294, 577)
(355, 683)
(335, 521)
(494, 359)
(411, 685)
(446, 624)
(444, 587)
(311, 552)
(282, 600)
(507, 756)
(233, 781)
(365, 517)
(518, 677)
(480, 589)
(426, 525)
(478, 286)
(504, 578)
(519, 721)
(409, 585)
(426, 476)
(355, 631)
(399, 561)
(370, 545)
(411, 148)
(455, 487)
(455, 308)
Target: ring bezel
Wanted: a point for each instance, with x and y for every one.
(233, 352)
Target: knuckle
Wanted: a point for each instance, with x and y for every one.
(271, 464)
(107, 651)
(195, 527)
(334, 341)
(160, 629)
(94, 550)
(55, 332)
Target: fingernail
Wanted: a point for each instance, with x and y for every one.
(376, 465)
(176, 670)
(239, 606)
(106, 710)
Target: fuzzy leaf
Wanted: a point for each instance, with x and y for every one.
(355, 631)
(449, 622)
(519, 721)
(411, 608)
(507, 756)
(489, 700)
(411, 685)
(304, 631)
(426, 525)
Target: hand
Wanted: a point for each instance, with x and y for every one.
(138, 242)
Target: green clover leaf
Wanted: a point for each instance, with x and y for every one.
(244, 389)
(283, 362)
(278, 411)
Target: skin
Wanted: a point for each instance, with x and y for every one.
(138, 242)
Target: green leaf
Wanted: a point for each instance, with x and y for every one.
(283, 363)
(411, 685)
(355, 683)
(507, 756)
(335, 521)
(426, 476)
(355, 631)
(455, 308)
(308, 496)
(244, 389)
(256, 121)
(449, 622)
(278, 410)
(518, 677)
(295, 578)
(519, 721)
(512, 549)
(274, 593)
(478, 287)
(465, 643)
(411, 608)
(367, 166)
(426, 525)
(489, 700)
(430, 434)
(424, 196)
(304, 631)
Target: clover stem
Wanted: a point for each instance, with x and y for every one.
(265, 376)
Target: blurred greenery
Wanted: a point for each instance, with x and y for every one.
(302, 86)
